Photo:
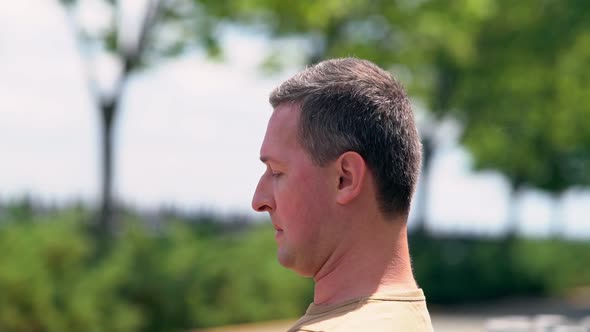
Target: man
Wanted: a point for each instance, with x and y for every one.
(342, 157)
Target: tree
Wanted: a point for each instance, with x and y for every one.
(419, 41)
(446, 53)
(522, 96)
(503, 70)
(166, 28)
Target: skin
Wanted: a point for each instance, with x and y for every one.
(327, 220)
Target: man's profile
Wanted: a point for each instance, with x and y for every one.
(342, 157)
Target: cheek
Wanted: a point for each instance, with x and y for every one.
(304, 206)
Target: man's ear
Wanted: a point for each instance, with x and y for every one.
(351, 169)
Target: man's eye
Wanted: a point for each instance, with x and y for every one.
(276, 174)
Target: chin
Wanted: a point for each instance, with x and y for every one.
(286, 260)
(289, 262)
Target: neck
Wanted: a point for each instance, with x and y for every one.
(375, 259)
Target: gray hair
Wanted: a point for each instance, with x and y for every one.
(353, 105)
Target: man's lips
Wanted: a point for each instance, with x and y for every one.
(278, 231)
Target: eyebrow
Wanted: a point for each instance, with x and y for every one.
(266, 159)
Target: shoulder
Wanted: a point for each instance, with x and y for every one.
(372, 315)
(388, 316)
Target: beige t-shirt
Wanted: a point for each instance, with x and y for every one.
(392, 311)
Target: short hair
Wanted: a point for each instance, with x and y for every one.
(353, 105)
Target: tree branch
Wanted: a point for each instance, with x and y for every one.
(133, 57)
(81, 46)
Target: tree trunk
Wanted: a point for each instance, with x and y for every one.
(106, 215)
(513, 220)
(556, 224)
(108, 107)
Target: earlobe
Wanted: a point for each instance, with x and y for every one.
(351, 170)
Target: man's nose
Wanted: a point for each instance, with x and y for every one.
(263, 200)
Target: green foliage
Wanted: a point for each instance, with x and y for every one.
(202, 274)
(459, 270)
(516, 75)
(558, 263)
(53, 279)
(521, 96)
(411, 36)
(20, 210)
(48, 281)
(68, 2)
(245, 279)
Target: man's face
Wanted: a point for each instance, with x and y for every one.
(296, 193)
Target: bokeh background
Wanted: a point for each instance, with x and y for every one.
(129, 145)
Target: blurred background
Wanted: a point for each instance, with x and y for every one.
(129, 143)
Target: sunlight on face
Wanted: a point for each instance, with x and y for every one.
(296, 193)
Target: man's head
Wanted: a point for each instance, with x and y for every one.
(353, 105)
(341, 140)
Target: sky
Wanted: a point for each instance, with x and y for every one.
(189, 132)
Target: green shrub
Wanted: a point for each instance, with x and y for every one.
(53, 277)
(460, 269)
(48, 281)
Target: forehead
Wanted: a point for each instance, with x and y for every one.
(281, 132)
